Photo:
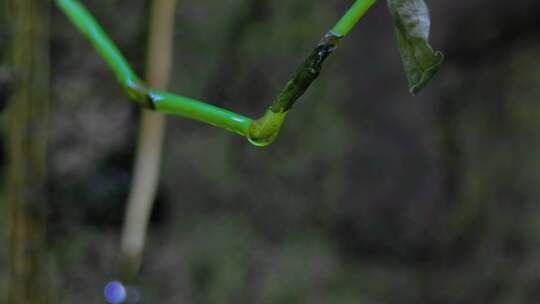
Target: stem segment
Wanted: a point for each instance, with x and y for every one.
(139, 92)
(353, 15)
(260, 132)
(265, 129)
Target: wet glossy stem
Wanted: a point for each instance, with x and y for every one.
(138, 91)
(262, 131)
(265, 129)
(352, 16)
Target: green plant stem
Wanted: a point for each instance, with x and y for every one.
(86, 24)
(351, 18)
(265, 129)
(189, 108)
(138, 91)
(260, 132)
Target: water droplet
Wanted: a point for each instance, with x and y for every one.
(265, 130)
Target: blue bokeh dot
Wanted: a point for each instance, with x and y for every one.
(115, 292)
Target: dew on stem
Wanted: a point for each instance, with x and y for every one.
(264, 130)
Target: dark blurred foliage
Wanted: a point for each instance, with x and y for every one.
(370, 195)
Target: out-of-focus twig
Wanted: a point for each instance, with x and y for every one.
(151, 134)
(28, 55)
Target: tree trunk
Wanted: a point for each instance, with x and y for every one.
(27, 140)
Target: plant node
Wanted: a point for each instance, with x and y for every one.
(263, 131)
(139, 93)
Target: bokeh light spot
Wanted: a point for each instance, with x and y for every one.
(115, 292)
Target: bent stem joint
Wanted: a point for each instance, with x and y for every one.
(260, 132)
(264, 130)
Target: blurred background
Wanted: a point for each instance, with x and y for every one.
(369, 195)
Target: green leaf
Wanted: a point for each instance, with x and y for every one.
(411, 19)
